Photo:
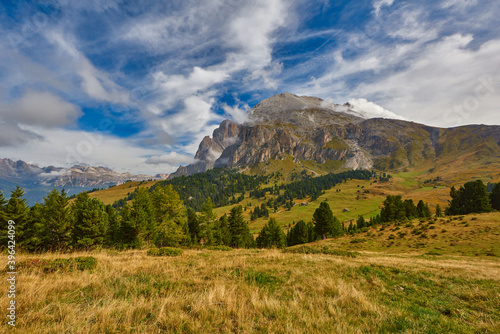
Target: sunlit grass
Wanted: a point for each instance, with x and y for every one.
(261, 291)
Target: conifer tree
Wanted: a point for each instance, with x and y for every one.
(222, 234)
(3, 222)
(495, 197)
(17, 210)
(193, 225)
(311, 233)
(271, 235)
(89, 222)
(361, 222)
(144, 215)
(298, 234)
(170, 227)
(325, 223)
(240, 233)
(129, 233)
(113, 229)
(53, 225)
(472, 197)
(439, 211)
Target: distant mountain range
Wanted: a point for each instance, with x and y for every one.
(37, 181)
(318, 136)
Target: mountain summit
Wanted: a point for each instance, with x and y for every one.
(302, 111)
(321, 137)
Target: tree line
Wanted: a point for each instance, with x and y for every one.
(159, 217)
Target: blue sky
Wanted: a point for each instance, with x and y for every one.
(136, 85)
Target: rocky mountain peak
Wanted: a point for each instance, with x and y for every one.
(305, 112)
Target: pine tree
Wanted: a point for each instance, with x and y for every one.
(361, 222)
(128, 235)
(298, 234)
(311, 232)
(17, 210)
(143, 214)
(240, 233)
(222, 234)
(271, 235)
(495, 197)
(89, 222)
(439, 212)
(170, 227)
(113, 238)
(472, 197)
(207, 214)
(193, 225)
(410, 209)
(324, 222)
(393, 209)
(53, 227)
(3, 222)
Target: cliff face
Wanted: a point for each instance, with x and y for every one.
(306, 128)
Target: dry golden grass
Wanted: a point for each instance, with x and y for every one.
(260, 291)
(109, 196)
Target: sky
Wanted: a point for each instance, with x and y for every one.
(136, 85)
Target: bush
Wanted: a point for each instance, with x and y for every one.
(320, 250)
(50, 266)
(434, 252)
(220, 248)
(165, 251)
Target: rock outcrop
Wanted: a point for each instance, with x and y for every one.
(308, 128)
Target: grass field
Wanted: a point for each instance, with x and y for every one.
(261, 291)
(470, 235)
(109, 196)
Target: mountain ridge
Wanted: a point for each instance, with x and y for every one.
(311, 129)
(37, 181)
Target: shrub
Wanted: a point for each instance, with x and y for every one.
(433, 252)
(220, 248)
(50, 266)
(165, 251)
(321, 250)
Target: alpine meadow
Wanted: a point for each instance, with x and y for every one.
(250, 166)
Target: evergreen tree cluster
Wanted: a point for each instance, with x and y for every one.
(301, 233)
(395, 209)
(314, 187)
(207, 230)
(473, 197)
(271, 236)
(222, 186)
(257, 212)
(156, 218)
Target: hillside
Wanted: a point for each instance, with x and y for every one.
(468, 235)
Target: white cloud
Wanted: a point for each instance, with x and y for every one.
(12, 136)
(65, 148)
(458, 4)
(171, 158)
(96, 84)
(195, 115)
(379, 4)
(174, 88)
(440, 87)
(369, 109)
(237, 113)
(408, 25)
(43, 109)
